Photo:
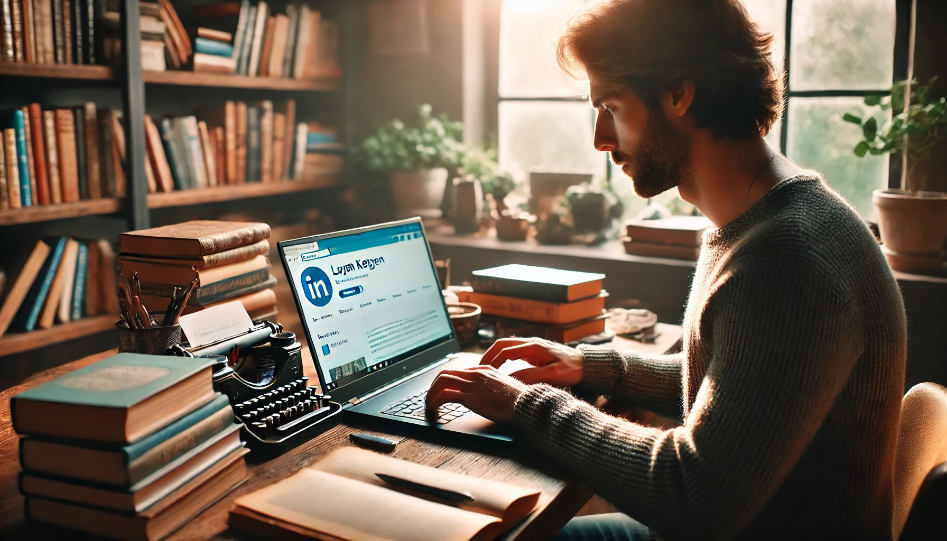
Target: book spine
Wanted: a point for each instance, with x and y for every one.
(4, 193)
(45, 51)
(93, 282)
(288, 142)
(29, 32)
(241, 141)
(292, 12)
(23, 163)
(67, 31)
(89, 23)
(220, 154)
(512, 307)
(107, 179)
(262, 14)
(93, 171)
(230, 136)
(81, 166)
(52, 157)
(209, 63)
(267, 48)
(28, 129)
(8, 53)
(220, 290)
(192, 140)
(66, 141)
(520, 288)
(156, 153)
(118, 152)
(279, 140)
(243, 60)
(39, 154)
(278, 48)
(46, 275)
(253, 144)
(14, 6)
(78, 29)
(299, 153)
(302, 41)
(266, 142)
(208, 152)
(78, 290)
(58, 32)
(238, 35)
(175, 162)
(236, 255)
(207, 46)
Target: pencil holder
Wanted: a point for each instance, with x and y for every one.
(153, 341)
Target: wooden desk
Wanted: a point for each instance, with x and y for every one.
(562, 495)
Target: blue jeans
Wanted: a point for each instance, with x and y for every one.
(605, 527)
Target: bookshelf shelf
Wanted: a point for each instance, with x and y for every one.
(20, 342)
(45, 213)
(231, 193)
(57, 71)
(190, 78)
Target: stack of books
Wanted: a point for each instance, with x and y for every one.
(522, 300)
(152, 35)
(236, 143)
(677, 237)
(131, 447)
(228, 260)
(51, 32)
(60, 155)
(296, 44)
(61, 279)
(213, 51)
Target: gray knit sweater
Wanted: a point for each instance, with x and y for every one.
(789, 387)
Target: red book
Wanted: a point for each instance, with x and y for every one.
(39, 154)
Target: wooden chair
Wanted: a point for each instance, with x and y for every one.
(920, 475)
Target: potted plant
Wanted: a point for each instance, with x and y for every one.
(482, 164)
(415, 157)
(593, 208)
(912, 222)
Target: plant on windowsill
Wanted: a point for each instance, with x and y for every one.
(912, 222)
(594, 209)
(416, 157)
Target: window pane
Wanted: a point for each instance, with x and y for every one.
(842, 44)
(552, 136)
(528, 33)
(770, 15)
(819, 139)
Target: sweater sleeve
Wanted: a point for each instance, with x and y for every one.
(652, 383)
(784, 340)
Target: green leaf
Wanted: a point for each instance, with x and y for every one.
(848, 117)
(875, 151)
(870, 129)
(861, 149)
(872, 99)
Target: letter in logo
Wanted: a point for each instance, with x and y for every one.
(316, 286)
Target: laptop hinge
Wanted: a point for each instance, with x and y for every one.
(359, 399)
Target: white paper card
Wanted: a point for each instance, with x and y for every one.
(217, 323)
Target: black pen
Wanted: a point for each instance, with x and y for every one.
(441, 493)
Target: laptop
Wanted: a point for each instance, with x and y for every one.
(379, 330)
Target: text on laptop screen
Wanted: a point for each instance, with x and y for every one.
(369, 300)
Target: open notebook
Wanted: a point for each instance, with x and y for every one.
(340, 497)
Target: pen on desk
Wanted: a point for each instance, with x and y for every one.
(184, 298)
(168, 314)
(448, 495)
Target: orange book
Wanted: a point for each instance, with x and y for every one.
(159, 162)
(66, 144)
(39, 153)
(240, 142)
(267, 47)
(279, 133)
(52, 157)
(221, 149)
(557, 313)
(93, 169)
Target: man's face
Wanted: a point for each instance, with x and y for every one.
(642, 141)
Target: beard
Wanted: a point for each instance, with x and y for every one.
(662, 159)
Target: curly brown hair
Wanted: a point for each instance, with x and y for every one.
(650, 46)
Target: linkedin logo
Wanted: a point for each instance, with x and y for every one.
(316, 286)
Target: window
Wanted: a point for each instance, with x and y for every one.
(838, 50)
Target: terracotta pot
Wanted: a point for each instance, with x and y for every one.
(913, 228)
(465, 317)
(418, 189)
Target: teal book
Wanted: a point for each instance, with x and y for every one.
(537, 283)
(243, 63)
(78, 283)
(120, 399)
(209, 46)
(253, 144)
(18, 123)
(185, 152)
(175, 160)
(126, 465)
(32, 305)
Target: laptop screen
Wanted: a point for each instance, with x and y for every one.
(369, 300)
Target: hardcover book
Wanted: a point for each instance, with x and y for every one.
(120, 399)
(253, 144)
(205, 297)
(126, 465)
(64, 304)
(555, 313)
(32, 306)
(51, 305)
(27, 128)
(154, 273)
(241, 141)
(52, 156)
(216, 291)
(682, 230)
(82, 167)
(175, 160)
(39, 154)
(14, 198)
(78, 285)
(212, 47)
(23, 272)
(157, 157)
(570, 332)
(66, 143)
(654, 249)
(208, 261)
(93, 170)
(539, 283)
(193, 239)
(4, 189)
(18, 123)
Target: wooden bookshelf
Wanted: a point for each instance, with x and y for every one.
(19, 342)
(190, 78)
(232, 193)
(57, 71)
(45, 213)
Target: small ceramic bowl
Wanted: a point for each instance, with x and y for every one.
(465, 317)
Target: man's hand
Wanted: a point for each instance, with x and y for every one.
(483, 389)
(554, 363)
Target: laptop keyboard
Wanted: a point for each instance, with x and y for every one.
(412, 407)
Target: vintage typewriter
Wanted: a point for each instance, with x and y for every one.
(261, 371)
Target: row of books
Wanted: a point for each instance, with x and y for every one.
(59, 280)
(296, 44)
(228, 259)
(61, 156)
(523, 300)
(237, 143)
(155, 18)
(131, 447)
(51, 31)
(677, 237)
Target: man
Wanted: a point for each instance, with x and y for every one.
(790, 382)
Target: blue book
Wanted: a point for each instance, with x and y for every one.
(126, 465)
(78, 284)
(209, 46)
(32, 305)
(320, 137)
(175, 160)
(17, 122)
(253, 144)
(120, 399)
(186, 141)
(243, 61)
